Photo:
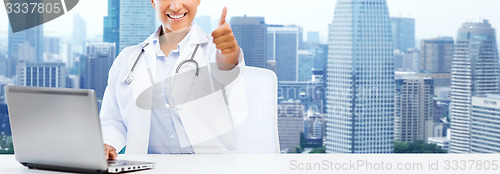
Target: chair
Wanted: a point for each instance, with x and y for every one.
(258, 133)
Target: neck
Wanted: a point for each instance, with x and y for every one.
(170, 39)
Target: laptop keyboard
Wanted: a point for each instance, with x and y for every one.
(115, 163)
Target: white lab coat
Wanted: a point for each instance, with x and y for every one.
(125, 119)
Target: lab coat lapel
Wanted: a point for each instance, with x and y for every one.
(206, 120)
(196, 36)
(140, 113)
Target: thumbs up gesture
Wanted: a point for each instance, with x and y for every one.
(229, 50)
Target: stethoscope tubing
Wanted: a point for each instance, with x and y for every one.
(130, 76)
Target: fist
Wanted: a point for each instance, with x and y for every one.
(110, 152)
(225, 41)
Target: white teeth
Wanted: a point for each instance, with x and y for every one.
(177, 16)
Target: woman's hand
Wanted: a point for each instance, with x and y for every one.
(110, 152)
(225, 41)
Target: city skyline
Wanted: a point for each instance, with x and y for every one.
(348, 82)
(428, 15)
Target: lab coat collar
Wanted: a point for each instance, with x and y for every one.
(195, 36)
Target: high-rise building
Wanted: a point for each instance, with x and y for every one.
(52, 45)
(437, 55)
(67, 54)
(22, 42)
(320, 52)
(41, 74)
(360, 89)
(79, 34)
(3, 65)
(406, 60)
(250, 32)
(95, 65)
(314, 130)
(137, 22)
(321, 57)
(413, 108)
(403, 32)
(485, 124)
(305, 68)
(111, 29)
(435, 60)
(290, 124)
(283, 46)
(314, 125)
(475, 71)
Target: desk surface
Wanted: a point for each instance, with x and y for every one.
(213, 163)
(288, 163)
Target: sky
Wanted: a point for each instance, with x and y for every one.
(433, 17)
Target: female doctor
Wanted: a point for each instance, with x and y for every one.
(179, 61)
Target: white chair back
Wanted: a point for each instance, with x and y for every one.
(258, 133)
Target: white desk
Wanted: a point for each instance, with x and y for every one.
(176, 164)
(287, 163)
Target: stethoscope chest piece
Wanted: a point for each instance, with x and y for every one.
(129, 78)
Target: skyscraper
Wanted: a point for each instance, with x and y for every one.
(79, 34)
(52, 45)
(3, 65)
(403, 32)
(41, 74)
(137, 22)
(475, 71)
(305, 65)
(290, 124)
(27, 40)
(95, 65)
(360, 89)
(111, 29)
(436, 55)
(321, 57)
(485, 125)
(406, 60)
(250, 32)
(413, 107)
(283, 46)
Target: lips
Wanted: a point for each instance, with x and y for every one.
(176, 16)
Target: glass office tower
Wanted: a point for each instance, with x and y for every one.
(403, 32)
(137, 22)
(283, 44)
(250, 32)
(111, 27)
(360, 89)
(474, 72)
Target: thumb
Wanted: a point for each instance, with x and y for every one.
(223, 16)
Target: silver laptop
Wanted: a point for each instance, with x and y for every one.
(59, 129)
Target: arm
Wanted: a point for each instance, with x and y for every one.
(229, 54)
(113, 128)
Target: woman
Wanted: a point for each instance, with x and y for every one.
(150, 82)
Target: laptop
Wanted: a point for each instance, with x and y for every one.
(59, 129)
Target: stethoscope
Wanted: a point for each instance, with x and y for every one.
(130, 76)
